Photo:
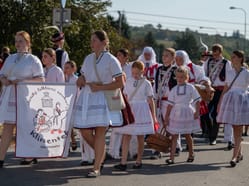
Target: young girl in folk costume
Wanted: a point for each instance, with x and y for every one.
(148, 57)
(233, 107)
(53, 74)
(116, 138)
(181, 117)
(140, 95)
(87, 153)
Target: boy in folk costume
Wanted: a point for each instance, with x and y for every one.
(139, 92)
(217, 68)
(164, 82)
(61, 55)
(182, 115)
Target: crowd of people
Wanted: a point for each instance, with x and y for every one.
(159, 95)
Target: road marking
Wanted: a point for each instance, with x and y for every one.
(245, 142)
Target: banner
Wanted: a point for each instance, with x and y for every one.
(43, 119)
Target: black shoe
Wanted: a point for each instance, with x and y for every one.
(28, 162)
(1, 163)
(156, 155)
(230, 145)
(74, 146)
(191, 159)
(120, 167)
(86, 163)
(169, 161)
(108, 157)
(233, 163)
(245, 134)
(137, 166)
(239, 158)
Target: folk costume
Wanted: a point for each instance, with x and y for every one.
(164, 82)
(91, 108)
(61, 55)
(181, 120)
(150, 65)
(19, 66)
(54, 74)
(217, 71)
(143, 119)
(235, 102)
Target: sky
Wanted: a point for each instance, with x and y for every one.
(213, 16)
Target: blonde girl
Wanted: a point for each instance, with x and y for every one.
(181, 117)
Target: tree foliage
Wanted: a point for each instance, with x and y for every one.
(34, 15)
(188, 42)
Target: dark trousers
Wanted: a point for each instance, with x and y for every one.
(205, 123)
(213, 127)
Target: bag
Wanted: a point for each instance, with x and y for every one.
(205, 96)
(115, 100)
(128, 116)
(159, 141)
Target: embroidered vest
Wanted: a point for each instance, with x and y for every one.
(171, 82)
(59, 54)
(222, 74)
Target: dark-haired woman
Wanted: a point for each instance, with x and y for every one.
(234, 103)
(92, 114)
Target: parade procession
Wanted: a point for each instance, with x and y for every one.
(117, 101)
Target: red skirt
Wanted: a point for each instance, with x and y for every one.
(203, 108)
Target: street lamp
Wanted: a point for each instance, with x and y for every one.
(216, 36)
(233, 8)
(63, 4)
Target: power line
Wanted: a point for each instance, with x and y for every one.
(182, 18)
(185, 25)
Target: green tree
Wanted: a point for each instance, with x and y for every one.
(188, 43)
(120, 24)
(34, 15)
(150, 40)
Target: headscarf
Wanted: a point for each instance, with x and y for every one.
(184, 55)
(150, 50)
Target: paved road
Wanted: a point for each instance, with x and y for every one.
(210, 168)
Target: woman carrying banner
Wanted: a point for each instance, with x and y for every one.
(92, 114)
(21, 66)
